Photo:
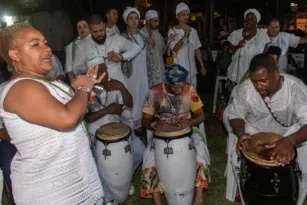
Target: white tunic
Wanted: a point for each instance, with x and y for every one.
(289, 105)
(186, 54)
(137, 83)
(243, 56)
(69, 54)
(57, 68)
(88, 50)
(112, 31)
(157, 50)
(50, 166)
(284, 41)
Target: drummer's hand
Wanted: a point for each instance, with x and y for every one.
(241, 141)
(185, 123)
(159, 125)
(282, 152)
(114, 108)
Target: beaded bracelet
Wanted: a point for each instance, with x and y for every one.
(240, 134)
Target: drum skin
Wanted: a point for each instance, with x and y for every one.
(177, 171)
(116, 169)
(265, 185)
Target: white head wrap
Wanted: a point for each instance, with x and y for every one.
(150, 14)
(255, 12)
(128, 11)
(181, 7)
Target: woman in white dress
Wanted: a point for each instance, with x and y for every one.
(246, 43)
(53, 163)
(137, 82)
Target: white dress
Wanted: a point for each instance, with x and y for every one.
(50, 167)
(243, 56)
(137, 83)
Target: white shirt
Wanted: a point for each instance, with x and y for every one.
(157, 50)
(243, 56)
(112, 31)
(186, 54)
(105, 99)
(289, 105)
(57, 68)
(69, 54)
(284, 41)
(88, 50)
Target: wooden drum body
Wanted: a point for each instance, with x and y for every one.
(263, 181)
(175, 157)
(114, 158)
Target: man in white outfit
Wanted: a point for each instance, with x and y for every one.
(83, 32)
(283, 40)
(155, 40)
(100, 48)
(112, 17)
(186, 45)
(114, 105)
(271, 102)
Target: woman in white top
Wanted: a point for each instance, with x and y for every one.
(137, 82)
(53, 163)
(245, 44)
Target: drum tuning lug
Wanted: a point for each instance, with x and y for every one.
(192, 146)
(238, 159)
(128, 148)
(168, 150)
(106, 153)
(276, 182)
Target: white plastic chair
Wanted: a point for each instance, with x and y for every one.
(218, 83)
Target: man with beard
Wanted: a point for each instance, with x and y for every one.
(100, 48)
(155, 40)
(112, 17)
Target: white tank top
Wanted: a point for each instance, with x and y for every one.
(50, 166)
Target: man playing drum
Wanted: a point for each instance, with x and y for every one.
(270, 101)
(113, 104)
(174, 102)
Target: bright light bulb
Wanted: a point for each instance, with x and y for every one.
(8, 20)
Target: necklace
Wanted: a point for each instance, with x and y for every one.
(172, 107)
(84, 123)
(142, 37)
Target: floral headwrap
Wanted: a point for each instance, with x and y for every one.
(176, 74)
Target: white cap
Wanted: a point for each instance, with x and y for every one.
(150, 14)
(128, 11)
(181, 7)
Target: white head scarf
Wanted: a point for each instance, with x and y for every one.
(150, 14)
(181, 7)
(255, 12)
(128, 11)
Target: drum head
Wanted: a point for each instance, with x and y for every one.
(256, 151)
(113, 131)
(169, 131)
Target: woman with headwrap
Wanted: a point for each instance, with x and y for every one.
(137, 81)
(174, 103)
(246, 43)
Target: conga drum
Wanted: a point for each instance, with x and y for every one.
(114, 158)
(175, 157)
(264, 181)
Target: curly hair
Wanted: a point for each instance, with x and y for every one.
(7, 36)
